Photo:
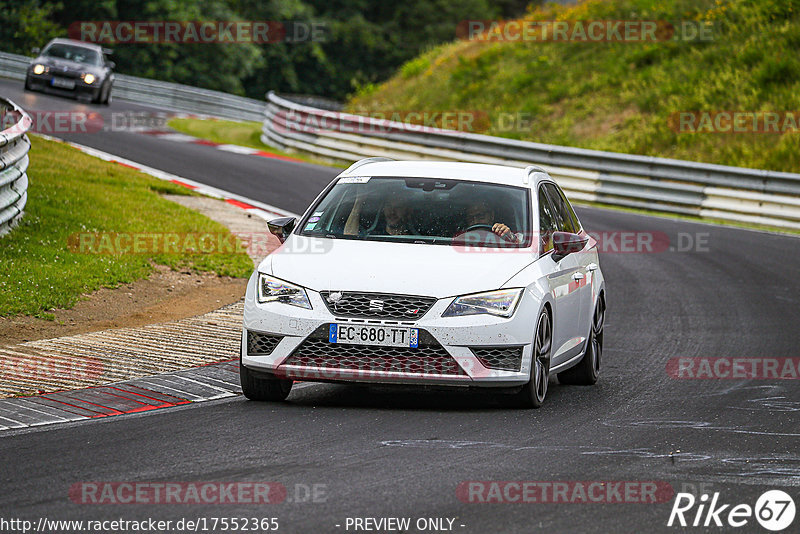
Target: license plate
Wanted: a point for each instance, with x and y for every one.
(384, 336)
(63, 83)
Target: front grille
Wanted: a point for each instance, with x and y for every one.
(430, 358)
(378, 305)
(500, 358)
(261, 344)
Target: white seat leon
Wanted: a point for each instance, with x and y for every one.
(428, 273)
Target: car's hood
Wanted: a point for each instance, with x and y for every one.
(381, 267)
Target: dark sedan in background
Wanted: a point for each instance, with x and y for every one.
(72, 68)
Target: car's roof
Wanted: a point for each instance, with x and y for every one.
(478, 172)
(62, 40)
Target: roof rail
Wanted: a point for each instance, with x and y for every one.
(530, 169)
(364, 161)
(534, 168)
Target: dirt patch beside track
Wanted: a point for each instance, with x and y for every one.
(166, 296)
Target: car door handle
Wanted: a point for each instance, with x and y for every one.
(591, 267)
(577, 276)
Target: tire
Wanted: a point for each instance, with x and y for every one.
(263, 389)
(534, 392)
(588, 369)
(108, 99)
(102, 97)
(28, 84)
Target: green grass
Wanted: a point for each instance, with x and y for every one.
(235, 133)
(71, 193)
(621, 96)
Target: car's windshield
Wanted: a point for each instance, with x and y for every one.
(79, 54)
(428, 210)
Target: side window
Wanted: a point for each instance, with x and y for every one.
(563, 212)
(575, 222)
(547, 222)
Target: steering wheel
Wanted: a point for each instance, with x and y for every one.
(478, 227)
(509, 236)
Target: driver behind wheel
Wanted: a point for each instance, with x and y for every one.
(482, 213)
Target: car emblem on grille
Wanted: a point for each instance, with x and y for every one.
(413, 312)
(376, 305)
(335, 297)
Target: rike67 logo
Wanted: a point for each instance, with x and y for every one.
(774, 510)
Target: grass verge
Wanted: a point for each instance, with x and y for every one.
(237, 133)
(72, 193)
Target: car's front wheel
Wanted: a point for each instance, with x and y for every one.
(28, 84)
(103, 94)
(534, 392)
(107, 100)
(587, 371)
(257, 388)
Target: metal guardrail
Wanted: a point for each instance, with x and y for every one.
(166, 95)
(659, 184)
(14, 146)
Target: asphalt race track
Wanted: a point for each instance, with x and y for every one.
(381, 452)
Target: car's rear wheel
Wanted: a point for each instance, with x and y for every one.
(587, 371)
(534, 392)
(258, 388)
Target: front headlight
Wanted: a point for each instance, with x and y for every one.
(38, 69)
(501, 303)
(273, 290)
(88, 78)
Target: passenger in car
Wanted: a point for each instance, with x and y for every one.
(393, 220)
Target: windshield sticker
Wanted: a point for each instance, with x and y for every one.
(317, 213)
(313, 219)
(354, 180)
(311, 226)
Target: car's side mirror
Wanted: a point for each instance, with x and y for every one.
(282, 227)
(36, 50)
(111, 65)
(565, 243)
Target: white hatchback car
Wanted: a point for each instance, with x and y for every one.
(431, 273)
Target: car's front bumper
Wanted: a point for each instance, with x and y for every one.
(452, 350)
(44, 82)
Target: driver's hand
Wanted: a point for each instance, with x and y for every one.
(505, 232)
(500, 229)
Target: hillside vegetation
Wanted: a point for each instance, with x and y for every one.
(623, 96)
(354, 42)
